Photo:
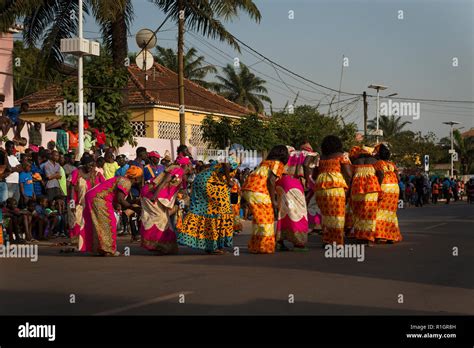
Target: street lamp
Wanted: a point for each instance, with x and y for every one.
(452, 123)
(378, 88)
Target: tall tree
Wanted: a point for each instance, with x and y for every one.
(195, 69)
(464, 146)
(242, 87)
(390, 125)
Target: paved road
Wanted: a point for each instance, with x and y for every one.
(422, 269)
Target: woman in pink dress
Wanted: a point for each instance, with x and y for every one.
(81, 180)
(100, 232)
(292, 222)
(158, 198)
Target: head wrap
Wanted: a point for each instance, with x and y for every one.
(154, 154)
(358, 151)
(134, 172)
(183, 160)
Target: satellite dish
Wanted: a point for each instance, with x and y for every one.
(144, 60)
(146, 38)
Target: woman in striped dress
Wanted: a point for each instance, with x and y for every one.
(333, 176)
(365, 191)
(387, 229)
(259, 191)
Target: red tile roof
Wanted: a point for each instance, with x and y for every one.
(468, 134)
(161, 89)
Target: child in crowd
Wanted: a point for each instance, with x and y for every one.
(100, 165)
(110, 166)
(13, 221)
(26, 184)
(41, 218)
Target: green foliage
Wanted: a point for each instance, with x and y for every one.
(408, 149)
(99, 72)
(251, 132)
(464, 146)
(260, 134)
(28, 76)
(307, 124)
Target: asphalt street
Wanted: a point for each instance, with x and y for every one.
(418, 276)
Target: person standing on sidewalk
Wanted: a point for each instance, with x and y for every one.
(52, 171)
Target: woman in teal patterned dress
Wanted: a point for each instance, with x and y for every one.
(209, 224)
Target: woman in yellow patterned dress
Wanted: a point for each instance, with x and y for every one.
(387, 229)
(260, 195)
(332, 180)
(365, 191)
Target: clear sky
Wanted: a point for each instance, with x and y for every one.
(413, 56)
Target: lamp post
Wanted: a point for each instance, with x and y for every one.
(378, 88)
(80, 47)
(451, 151)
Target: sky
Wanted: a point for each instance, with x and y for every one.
(426, 52)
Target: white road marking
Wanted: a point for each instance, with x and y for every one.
(430, 227)
(145, 303)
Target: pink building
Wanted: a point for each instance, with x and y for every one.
(6, 67)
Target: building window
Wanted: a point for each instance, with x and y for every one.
(139, 129)
(196, 136)
(168, 130)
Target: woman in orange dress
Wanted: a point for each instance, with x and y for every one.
(332, 177)
(260, 195)
(365, 191)
(387, 229)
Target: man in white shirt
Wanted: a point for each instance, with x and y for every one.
(13, 180)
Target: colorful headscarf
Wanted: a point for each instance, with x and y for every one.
(134, 172)
(358, 151)
(183, 160)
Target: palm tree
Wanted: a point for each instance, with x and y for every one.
(464, 146)
(242, 87)
(195, 68)
(390, 125)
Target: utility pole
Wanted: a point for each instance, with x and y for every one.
(364, 95)
(80, 89)
(182, 116)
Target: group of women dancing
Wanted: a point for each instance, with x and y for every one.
(343, 196)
